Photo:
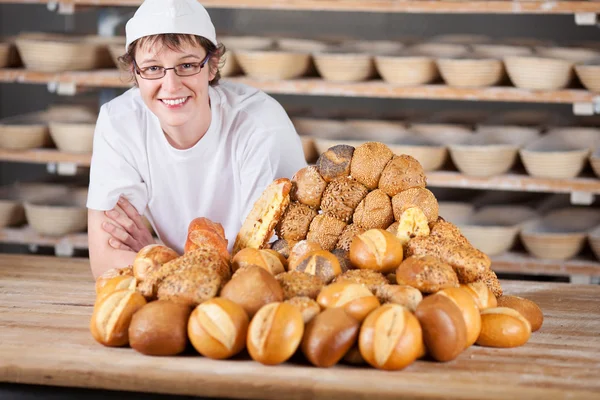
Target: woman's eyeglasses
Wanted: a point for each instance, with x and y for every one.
(156, 72)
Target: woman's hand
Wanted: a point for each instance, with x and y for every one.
(126, 228)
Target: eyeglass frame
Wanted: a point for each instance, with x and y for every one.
(202, 64)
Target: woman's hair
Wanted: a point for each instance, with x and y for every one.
(175, 42)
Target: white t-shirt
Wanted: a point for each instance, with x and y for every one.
(250, 142)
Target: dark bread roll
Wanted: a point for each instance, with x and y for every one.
(335, 162)
(341, 197)
(308, 186)
(295, 222)
(368, 163)
(401, 173)
(374, 211)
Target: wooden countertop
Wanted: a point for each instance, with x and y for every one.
(46, 303)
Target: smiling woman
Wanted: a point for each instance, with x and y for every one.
(180, 144)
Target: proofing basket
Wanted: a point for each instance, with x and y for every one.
(539, 73)
(73, 137)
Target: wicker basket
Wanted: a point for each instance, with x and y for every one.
(232, 44)
(576, 55)
(58, 216)
(56, 53)
(517, 135)
(539, 73)
(11, 207)
(589, 75)
(377, 130)
(483, 160)
(344, 67)
(442, 134)
(554, 157)
(275, 65)
(595, 161)
(430, 155)
(407, 70)
(437, 50)
(374, 47)
(455, 211)
(594, 239)
(20, 135)
(72, 137)
(470, 71)
(500, 51)
(577, 137)
(318, 127)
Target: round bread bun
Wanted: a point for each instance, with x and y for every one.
(416, 197)
(308, 307)
(298, 284)
(325, 230)
(308, 186)
(252, 287)
(295, 222)
(341, 197)
(426, 273)
(368, 163)
(349, 232)
(343, 257)
(401, 173)
(335, 162)
(374, 211)
(283, 247)
(369, 278)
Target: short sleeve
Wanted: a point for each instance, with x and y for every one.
(113, 169)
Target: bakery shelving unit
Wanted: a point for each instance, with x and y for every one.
(581, 189)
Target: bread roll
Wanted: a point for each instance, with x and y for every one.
(355, 299)
(343, 258)
(328, 337)
(482, 294)
(491, 280)
(443, 325)
(368, 163)
(369, 278)
(252, 287)
(204, 232)
(526, 308)
(325, 230)
(295, 222)
(376, 249)
(404, 295)
(390, 338)
(442, 229)
(393, 228)
(151, 258)
(275, 333)
(298, 284)
(503, 327)
(308, 186)
(110, 320)
(205, 224)
(353, 357)
(341, 197)
(114, 284)
(283, 247)
(348, 234)
(263, 258)
(416, 197)
(374, 211)
(159, 328)
(469, 309)
(412, 223)
(299, 250)
(401, 173)
(190, 286)
(335, 162)
(426, 273)
(217, 328)
(322, 264)
(103, 279)
(308, 307)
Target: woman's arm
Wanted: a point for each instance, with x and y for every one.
(102, 256)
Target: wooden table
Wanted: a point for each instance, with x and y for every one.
(46, 303)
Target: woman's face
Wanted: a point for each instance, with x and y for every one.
(175, 100)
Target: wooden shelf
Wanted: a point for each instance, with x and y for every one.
(521, 263)
(377, 6)
(513, 182)
(45, 156)
(317, 87)
(63, 245)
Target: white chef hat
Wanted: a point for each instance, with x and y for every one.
(155, 17)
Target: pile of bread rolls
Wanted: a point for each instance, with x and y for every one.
(364, 271)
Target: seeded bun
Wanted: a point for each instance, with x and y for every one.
(401, 173)
(374, 211)
(295, 222)
(308, 186)
(427, 273)
(343, 257)
(416, 197)
(347, 235)
(335, 162)
(308, 307)
(298, 284)
(341, 197)
(368, 163)
(369, 278)
(491, 280)
(325, 230)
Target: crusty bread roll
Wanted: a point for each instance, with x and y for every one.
(308, 307)
(368, 163)
(356, 300)
(103, 279)
(393, 228)
(348, 234)
(412, 223)
(295, 221)
(190, 286)
(503, 327)
(426, 273)
(325, 230)
(416, 197)
(401, 173)
(110, 320)
(335, 162)
(446, 230)
(320, 263)
(341, 197)
(403, 295)
(469, 310)
(283, 247)
(299, 250)
(299, 284)
(267, 259)
(160, 328)
(114, 284)
(526, 307)
(150, 258)
(308, 186)
(343, 258)
(252, 287)
(376, 249)
(491, 280)
(259, 225)
(371, 279)
(374, 211)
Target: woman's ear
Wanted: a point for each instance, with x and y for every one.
(213, 64)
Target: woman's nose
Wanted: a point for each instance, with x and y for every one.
(171, 81)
